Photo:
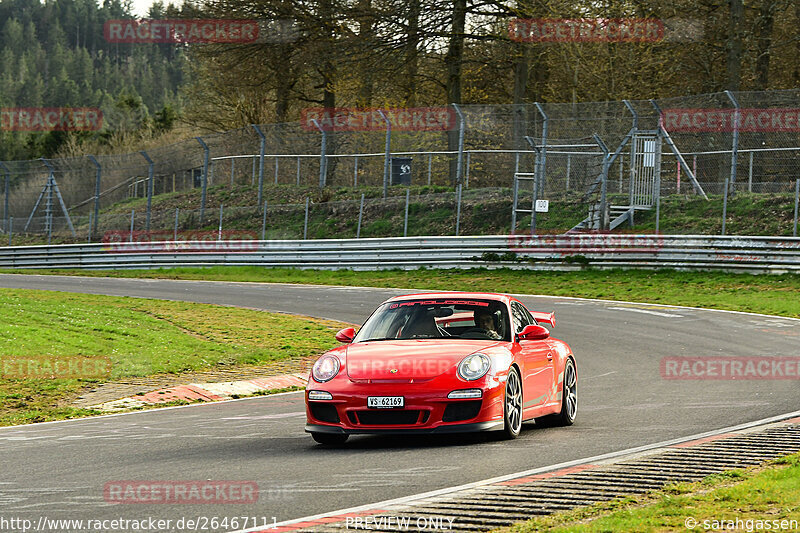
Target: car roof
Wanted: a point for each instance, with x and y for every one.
(460, 295)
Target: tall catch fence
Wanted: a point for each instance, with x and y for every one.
(605, 159)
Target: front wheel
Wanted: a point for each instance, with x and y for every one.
(331, 439)
(569, 400)
(512, 410)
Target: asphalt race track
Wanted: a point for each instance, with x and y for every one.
(59, 470)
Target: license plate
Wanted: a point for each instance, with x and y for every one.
(384, 402)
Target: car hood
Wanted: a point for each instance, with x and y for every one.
(409, 359)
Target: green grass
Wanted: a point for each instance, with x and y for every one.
(768, 294)
(767, 493)
(140, 337)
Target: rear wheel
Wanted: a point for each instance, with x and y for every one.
(569, 400)
(331, 439)
(512, 410)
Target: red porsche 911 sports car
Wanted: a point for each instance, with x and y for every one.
(443, 363)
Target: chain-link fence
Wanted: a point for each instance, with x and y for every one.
(750, 140)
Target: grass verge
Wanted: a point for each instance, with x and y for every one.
(768, 294)
(767, 494)
(140, 337)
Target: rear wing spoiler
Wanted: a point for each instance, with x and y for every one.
(547, 318)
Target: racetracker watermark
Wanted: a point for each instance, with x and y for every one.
(730, 368)
(54, 367)
(181, 31)
(564, 245)
(140, 242)
(728, 120)
(554, 30)
(367, 119)
(180, 492)
(400, 523)
(50, 119)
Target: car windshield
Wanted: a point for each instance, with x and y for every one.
(446, 318)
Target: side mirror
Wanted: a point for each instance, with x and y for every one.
(347, 334)
(532, 332)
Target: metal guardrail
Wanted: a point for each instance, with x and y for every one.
(537, 252)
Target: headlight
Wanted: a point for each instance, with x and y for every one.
(325, 369)
(474, 366)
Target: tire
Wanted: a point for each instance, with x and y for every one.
(569, 400)
(512, 405)
(330, 439)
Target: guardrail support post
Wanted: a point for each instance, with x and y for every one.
(98, 175)
(725, 206)
(360, 216)
(206, 152)
(387, 153)
(735, 143)
(323, 156)
(796, 202)
(150, 166)
(305, 223)
(7, 174)
(261, 150)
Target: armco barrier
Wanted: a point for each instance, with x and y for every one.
(538, 252)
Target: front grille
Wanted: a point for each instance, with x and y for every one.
(457, 411)
(388, 417)
(324, 412)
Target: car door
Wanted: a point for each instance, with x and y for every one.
(537, 356)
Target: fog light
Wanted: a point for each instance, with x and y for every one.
(319, 395)
(465, 393)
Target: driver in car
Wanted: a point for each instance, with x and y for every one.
(485, 321)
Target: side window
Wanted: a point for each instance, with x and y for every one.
(520, 316)
(528, 314)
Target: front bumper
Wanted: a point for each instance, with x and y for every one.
(438, 430)
(427, 409)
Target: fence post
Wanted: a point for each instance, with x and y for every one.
(387, 152)
(466, 171)
(277, 159)
(796, 202)
(305, 223)
(7, 174)
(725, 206)
(355, 172)
(10, 229)
(133, 214)
(261, 149)
(298, 170)
(89, 237)
(360, 215)
(233, 169)
(149, 188)
(405, 218)
(219, 231)
(750, 174)
(96, 194)
(604, 184)
(205, 178)
(735, 144)
(323, 156)
(175, 228)
(569, 164)
(533, 207)
(543, 162)
(460, 159)
(430, 163)
(458, 209)
(264, 222)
